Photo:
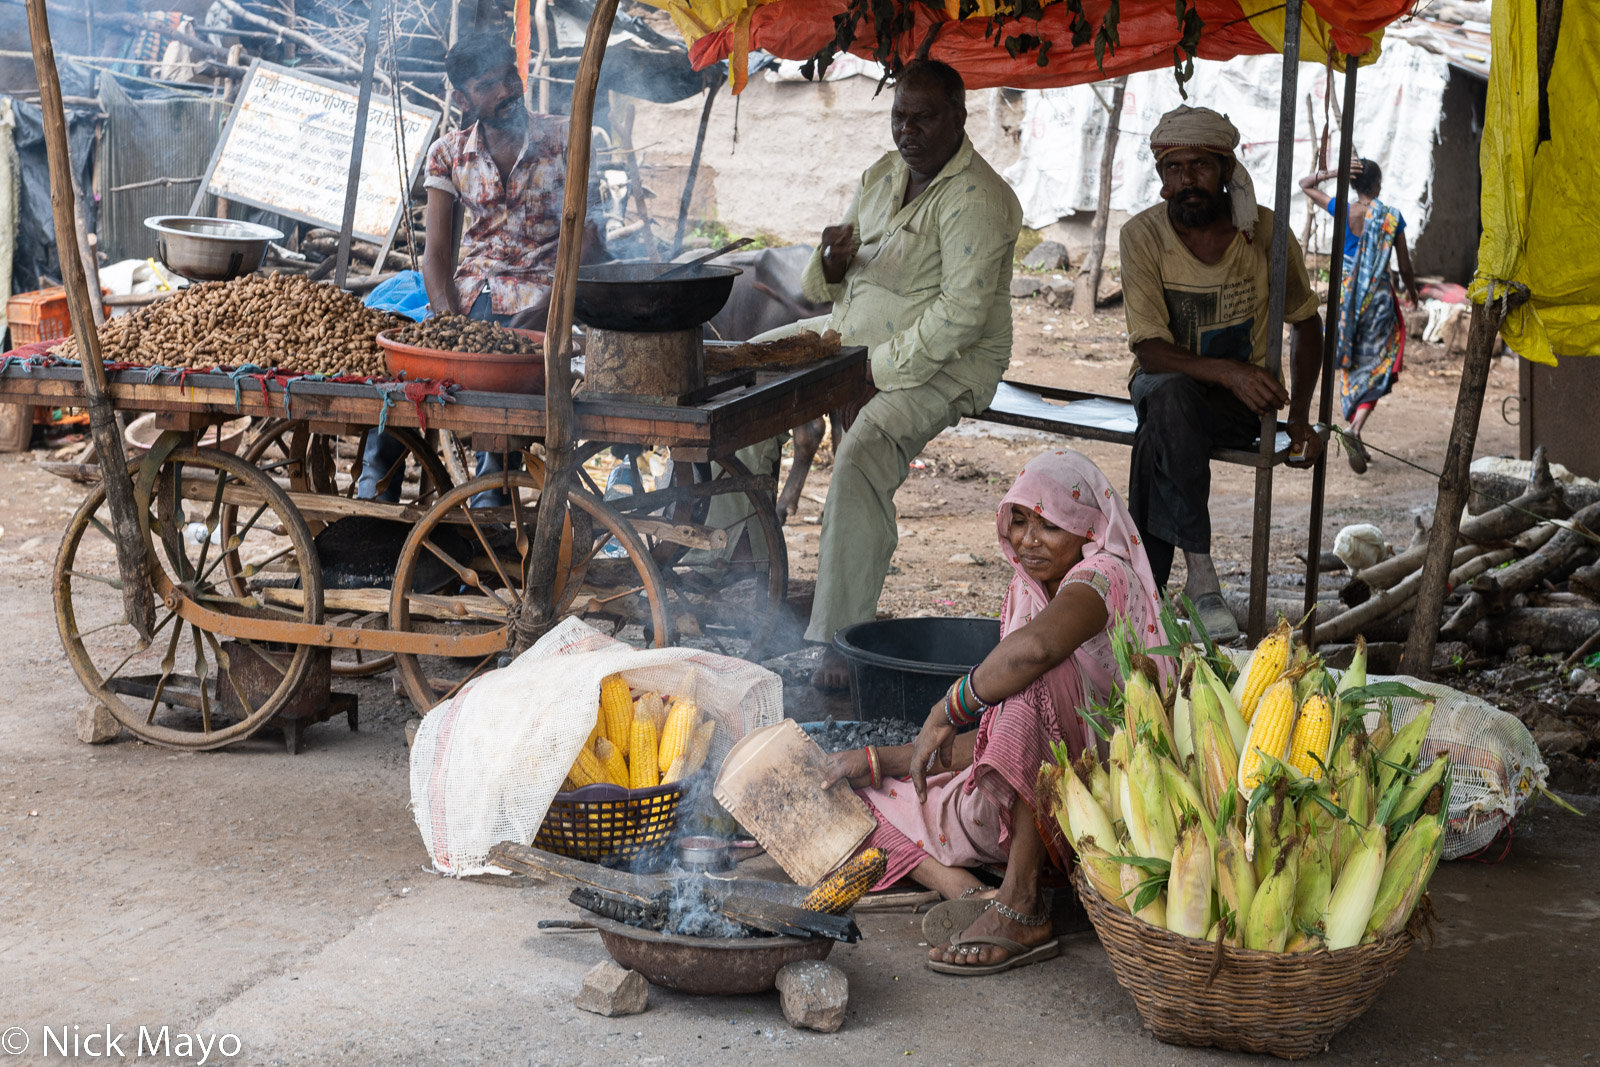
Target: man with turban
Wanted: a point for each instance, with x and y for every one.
(1195, 280)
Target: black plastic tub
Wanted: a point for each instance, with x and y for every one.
(900, 667)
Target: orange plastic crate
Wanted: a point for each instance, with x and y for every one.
(38, 316)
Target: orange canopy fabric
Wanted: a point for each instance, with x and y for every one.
(1148, 29)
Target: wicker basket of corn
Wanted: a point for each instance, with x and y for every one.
(620, 801)
(1193, 992)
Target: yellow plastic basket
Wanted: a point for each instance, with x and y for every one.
(611, 825)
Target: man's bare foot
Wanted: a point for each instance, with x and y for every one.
(992, 924)
(832, 671)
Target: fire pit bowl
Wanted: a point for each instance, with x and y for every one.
(709, 966)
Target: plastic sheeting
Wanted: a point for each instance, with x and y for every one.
(1398, 109)
(35, 256)
(1148, 30)
(1539, 205)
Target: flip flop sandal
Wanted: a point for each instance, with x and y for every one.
(1020, 956)
(1357, 454)
(948, 919)
(1217, 617)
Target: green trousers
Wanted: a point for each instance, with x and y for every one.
(859, 531)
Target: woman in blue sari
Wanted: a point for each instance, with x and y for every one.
(1372, 332)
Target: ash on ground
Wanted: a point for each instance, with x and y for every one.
(841, 736)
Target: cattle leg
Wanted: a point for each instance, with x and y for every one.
(807, 438)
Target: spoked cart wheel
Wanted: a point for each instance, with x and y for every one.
(210, 676)
(288, 451)
(725, 569)
(464, 567)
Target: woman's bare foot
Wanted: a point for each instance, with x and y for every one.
(832, 671)
(992, 924)
(952, 883)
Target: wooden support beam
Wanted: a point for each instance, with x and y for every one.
(138, 599)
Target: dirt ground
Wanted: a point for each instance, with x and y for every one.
(284, 899)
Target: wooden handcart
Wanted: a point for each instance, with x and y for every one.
(247, 630)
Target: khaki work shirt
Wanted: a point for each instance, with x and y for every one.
(930, 288)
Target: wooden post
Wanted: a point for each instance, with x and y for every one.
(1261, 534)
(1455, 482)
(538, 610)
(622, 116)
(358, 146)
(541, 28)
(1330, 344)
(694, 166)
(138, 600)
(1088, 288)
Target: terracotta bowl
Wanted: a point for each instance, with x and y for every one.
(492, 372)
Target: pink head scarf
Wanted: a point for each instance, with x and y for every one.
(1069, 490)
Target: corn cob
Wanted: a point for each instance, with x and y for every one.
(614, 768)
(1189, 883)
(651, 705)
(1406, 871)
(658, 712)
(1182, 727)
(616, 712)
(1104, 873)
(1266, 666)
(1144, 806)
(1313, 731)
(1218, 764)
(1315, 884)
(642, 770)
(586, 769)
(1355, 676)
(1078, 813)
(1238, 729)
(1350, 906)
(838, 893)
(1267, 927)
(1417, 790)
(1184, 799)
(1099, 781)
(1403, 750)
(699, 748)
(1155, 912)
(1300, 941)
(682, 718)
(1269, 733)
(1236, 877)
(1145, 715)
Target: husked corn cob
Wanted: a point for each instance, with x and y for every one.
(612, 765)
(616, 712)
(1267, 664)
(642, 769)
(682, 718)
(1312, 732)
(838, 893)
(652, 706)
(586, 769)
(699, 747)
(1269, 733)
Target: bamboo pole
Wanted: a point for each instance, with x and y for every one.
(1261, 533)
(537, 612)
(358, 143)
(694, 166)
(1088, 288)
(138, 600)
(1330, 343)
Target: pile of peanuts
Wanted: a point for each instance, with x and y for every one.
(457, 333)
(282, 320)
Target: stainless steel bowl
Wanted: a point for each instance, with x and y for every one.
(709, 855)
(210, 250)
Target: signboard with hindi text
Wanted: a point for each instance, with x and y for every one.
(286, 149)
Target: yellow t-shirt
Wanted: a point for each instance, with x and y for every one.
(1211, 309)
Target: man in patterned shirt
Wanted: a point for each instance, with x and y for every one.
(507, 169)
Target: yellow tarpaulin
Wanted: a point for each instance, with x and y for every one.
(1541, 197)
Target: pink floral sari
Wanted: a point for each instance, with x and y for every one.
(967, 818)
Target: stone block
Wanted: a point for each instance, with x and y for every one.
(1046, 255)
(96, 726)
(611, 990)
(814, 994)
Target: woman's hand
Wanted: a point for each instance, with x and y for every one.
(937, 737)
(848, 766)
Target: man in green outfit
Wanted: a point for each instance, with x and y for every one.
(919, 272)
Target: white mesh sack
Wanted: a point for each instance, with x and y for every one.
(486, 763)
(1494, 761)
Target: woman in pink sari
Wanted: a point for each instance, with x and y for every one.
(955, 800)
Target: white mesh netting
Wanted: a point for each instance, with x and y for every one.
(485, 764)
(1494, 762)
